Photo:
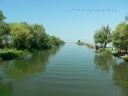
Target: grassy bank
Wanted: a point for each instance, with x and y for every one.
(121, 55)
(105, 50)
(80, 43)
(114, 53)
(8, 54)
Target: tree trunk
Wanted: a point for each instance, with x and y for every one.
(105, 45)
(126, 51)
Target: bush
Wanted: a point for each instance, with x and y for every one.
(80, 43)
(6, 55)
(11, 54)
(105, 50)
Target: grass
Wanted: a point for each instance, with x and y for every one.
(125, 58)
(118, 54)
(105, 50)
(80, 43)
(8, 54)
(114, 53)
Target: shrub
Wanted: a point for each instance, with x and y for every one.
(105, 50)
(11, 54)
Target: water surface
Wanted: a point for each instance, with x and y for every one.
(70, 70)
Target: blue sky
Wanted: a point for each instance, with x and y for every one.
(67, 19)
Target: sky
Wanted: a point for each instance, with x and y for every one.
(70, 20)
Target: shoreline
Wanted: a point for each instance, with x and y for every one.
(115, 53)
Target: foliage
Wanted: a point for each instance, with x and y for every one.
(4, 30)
(21, 37)
(118, 54)
(103, 36)
(24, 36)
(54, 41)
(105, 50)
(120, 36)
(80, 43)
(2, 17)
(38, 35)
(11, 54)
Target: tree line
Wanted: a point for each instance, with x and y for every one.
(118, 37)
(25, 36)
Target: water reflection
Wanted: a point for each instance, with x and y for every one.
(120, 70)
(120, 76)
(31, 64)
(6, 89)
(20, 69)
(103, 62)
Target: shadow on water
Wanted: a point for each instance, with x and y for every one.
(106, 62)
(31, 64)
(120, 77)
(6, 88)
(20, 69)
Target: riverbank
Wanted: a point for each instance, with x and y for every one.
(120, 55)
(8, 54)
(115, 53)
(80, 43)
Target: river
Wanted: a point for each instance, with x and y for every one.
(70, 70)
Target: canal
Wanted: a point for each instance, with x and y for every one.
(69, 70)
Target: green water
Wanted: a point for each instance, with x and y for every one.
(70, 70)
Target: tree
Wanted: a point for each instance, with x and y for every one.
(103, 36)
(2, 17)
(6, 37)
(120, 36)
(21, 36)
(26, 36)
(98, 38)
(4, 30)
(39, 36)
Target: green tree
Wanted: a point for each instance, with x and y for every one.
(2, 17)
(98, 38)
(21, 36)
(54, 41)
(24, 36)
(120, 36)
(6, 37)
(4, 30)
(39, 36)
(103, 36)
(46, 44)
